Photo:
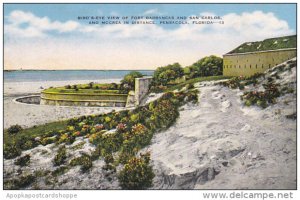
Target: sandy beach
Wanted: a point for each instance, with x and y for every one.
(28, 115)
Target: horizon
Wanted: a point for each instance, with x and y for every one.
(39, 37)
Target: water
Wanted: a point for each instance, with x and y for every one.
(65, 75)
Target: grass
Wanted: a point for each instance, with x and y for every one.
(84, 88)
(195, 80)
(267, 44)
(35, 131)
(83, 91)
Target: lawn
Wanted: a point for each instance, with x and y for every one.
(86, 89)
(35, 131)
(193, 81)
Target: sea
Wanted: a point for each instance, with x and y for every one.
(65, 75)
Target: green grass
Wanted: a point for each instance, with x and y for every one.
(35, 131)
(195, 80)
(83, 88)
(267, 44)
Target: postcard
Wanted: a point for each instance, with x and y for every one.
(149, 96)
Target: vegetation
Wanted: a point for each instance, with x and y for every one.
(14, 129)
(61, 156)
(91, 88)
(268, 44)
(137, 173)
(11, 151)
(167, 74)
(207, 66)
(85, 161)
(133, 130)
(128, 82)
(19, 182)
(271, 90)
(185, 83)
(23, 161)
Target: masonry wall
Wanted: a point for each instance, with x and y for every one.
(141, 88)
(247, 64)
(70, 99)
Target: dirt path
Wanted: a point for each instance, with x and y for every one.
(220, 144)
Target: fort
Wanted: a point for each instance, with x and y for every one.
(102, 98)
(256, 57)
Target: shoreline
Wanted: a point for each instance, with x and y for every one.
(27, 88)
(28, 115)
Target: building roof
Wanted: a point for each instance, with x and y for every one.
(285, 42)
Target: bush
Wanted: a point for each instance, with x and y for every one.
(129, 80)
(68, 87)
(14, 129)
(11, 151)
(137, 173)
(166, 74)
(48, 140)
(207, 66)
(61, 156)
(29, 144)
(85, 161)
(23, 161)
(20, 182)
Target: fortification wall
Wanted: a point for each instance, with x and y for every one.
(247, 64)
(141, 88)
(134, 98)
(74, 99)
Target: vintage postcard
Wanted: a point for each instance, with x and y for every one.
(152, 96)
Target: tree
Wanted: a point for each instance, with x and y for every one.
(207, 66)
(163, 75)
(129, 80)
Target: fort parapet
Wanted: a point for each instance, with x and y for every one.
(100, 100)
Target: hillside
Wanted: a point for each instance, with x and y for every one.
(223, 144)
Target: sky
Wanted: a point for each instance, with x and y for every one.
(50, 36)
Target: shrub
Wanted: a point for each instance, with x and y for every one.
(137, 173)
(14, 129)
(11, 151)
(20, 182)
(66, 138)
(109, 158)
(59, 171)
(85, 161)
(166, 74)
(129, 80)
(23, 161)
(68, 87)
(61, 156)
(48, 140)
(207, 66)
(29, 144)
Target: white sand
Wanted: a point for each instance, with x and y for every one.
(28, 115)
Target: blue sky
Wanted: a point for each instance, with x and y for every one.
(37, 27)
(64, 12)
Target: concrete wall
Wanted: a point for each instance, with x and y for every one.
(82, 103)
(33, 99)
(72, 99)
(141, 88)
(247, 64)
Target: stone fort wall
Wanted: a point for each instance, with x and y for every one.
(247, 64)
